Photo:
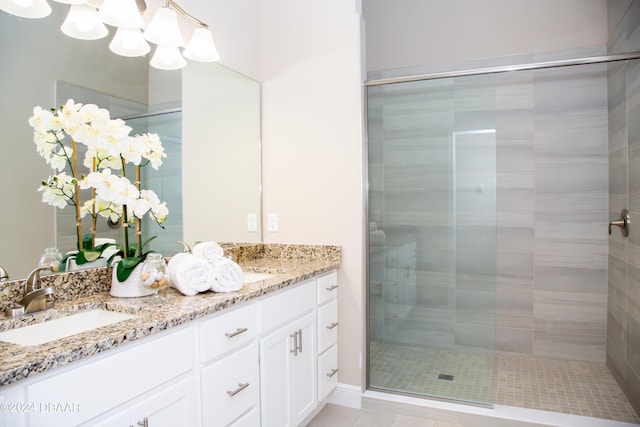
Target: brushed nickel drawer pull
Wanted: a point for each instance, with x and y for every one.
(237, 332)
(144, 422)
(332, 288)
(295, 343)
(241, 387)
(333, 372)
(332, 325)
(300, 340)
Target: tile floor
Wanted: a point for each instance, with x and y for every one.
(571, 387)
(341, 416)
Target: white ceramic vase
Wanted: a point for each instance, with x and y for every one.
(130, 288)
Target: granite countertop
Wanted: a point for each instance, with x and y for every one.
(288, 264)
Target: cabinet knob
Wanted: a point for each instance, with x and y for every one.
(144, 422)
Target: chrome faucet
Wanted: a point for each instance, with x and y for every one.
(35, 297)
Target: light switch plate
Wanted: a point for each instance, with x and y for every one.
(272, 222)
(252, 222)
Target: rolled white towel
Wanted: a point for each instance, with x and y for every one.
(228, 276)
(209, 251)
(190, 274)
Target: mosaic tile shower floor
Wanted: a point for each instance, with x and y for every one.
(571, 387)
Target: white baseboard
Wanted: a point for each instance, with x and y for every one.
(346, 395)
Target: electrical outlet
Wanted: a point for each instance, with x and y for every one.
(272, 222)
(252, 222)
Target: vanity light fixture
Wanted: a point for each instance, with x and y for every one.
(86, 19)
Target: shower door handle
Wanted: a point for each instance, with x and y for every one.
(623, 223)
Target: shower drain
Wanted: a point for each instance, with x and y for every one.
(447, 377)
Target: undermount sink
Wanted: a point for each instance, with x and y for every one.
(250, 277)
(52, 330)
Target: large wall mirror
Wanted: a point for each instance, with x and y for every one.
(207, 112)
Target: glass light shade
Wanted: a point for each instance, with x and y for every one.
(167, 58)
(163, 29)
(26, 8)
(120, 13)
(129, 42)
(201, 46)
(82, 23)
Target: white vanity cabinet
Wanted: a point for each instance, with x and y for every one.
(327, 300)
(288, 355)
(265, 362)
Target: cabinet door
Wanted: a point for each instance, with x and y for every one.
(275, 374)
(304, 369)
(287, 366)
(174, 405)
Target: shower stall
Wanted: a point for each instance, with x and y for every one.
(492, 279)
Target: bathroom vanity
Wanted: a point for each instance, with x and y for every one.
(265, 355)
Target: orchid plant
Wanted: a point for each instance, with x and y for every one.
(109, 147)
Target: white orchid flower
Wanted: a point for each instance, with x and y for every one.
(132, 149)
(154, 151)
(59, 160)
(58, 190)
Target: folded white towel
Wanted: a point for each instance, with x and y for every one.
(190, 274)
(228, 276)
(209, 251)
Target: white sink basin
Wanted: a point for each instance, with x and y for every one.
(52, 330)
(250, 277)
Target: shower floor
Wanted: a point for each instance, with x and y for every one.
(566, 386)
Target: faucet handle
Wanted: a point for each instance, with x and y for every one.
(33, 279)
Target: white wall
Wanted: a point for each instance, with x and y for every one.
(311, 142)
(406, 33)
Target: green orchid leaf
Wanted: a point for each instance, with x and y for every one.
(147, 241)
(125, 268)
(80, 259)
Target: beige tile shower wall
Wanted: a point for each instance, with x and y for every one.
(552, 211)
(623, 318)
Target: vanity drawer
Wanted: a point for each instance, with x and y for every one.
(227, 331)
(327, 287)
(285, 306)
(327, 325)
(230, 387)
(327, 372)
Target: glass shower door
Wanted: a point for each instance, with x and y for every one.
(432, 238)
